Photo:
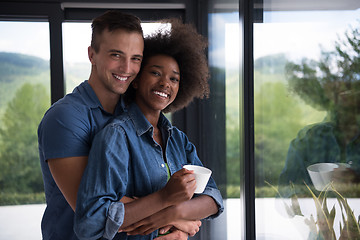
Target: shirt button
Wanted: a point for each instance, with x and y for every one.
(162, 165)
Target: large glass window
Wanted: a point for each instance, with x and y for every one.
(24, 98)
(306, 113)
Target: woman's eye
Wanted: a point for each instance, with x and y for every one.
(155, 73)
(175, 79)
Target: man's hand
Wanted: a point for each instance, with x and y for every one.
(189, 227)
(126, 199)
(174, 235)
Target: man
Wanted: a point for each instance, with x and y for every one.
(66, 131)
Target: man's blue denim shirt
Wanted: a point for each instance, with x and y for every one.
(67, 130)
(125, 160)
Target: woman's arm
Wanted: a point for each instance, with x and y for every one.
(197, 208)
(178, 189)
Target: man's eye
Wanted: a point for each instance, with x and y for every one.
(137, 59)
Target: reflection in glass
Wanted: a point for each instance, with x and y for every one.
(307, 78)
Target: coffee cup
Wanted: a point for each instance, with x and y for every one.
(202, 175)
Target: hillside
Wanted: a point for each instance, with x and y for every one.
(17, 69)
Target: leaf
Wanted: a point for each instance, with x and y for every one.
(294, 208)
(332, 216)
(295, 205)
(312, 226)
(325, 229)
(351, 229)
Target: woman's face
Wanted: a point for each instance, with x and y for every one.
(157, 84)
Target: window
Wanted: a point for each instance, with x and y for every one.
(306, 79)
(76, 39)
(25, 96)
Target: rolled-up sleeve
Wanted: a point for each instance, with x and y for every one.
(98, 210)
(114, 220)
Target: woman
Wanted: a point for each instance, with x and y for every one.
(140, 154)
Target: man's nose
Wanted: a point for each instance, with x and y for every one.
(125, 65)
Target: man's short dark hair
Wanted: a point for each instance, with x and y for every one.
(113, 20)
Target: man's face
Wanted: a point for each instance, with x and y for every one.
(117, 62)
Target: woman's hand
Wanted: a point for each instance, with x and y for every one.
(189, 227)
(180, 187)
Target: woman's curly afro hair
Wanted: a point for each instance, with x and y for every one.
(187, 47)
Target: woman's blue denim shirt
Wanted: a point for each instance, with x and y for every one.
(126, 160)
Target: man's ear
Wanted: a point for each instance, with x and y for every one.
(91, 53)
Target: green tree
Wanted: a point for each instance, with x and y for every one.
(232, 129)
(320, 83)
(19, 160)
(277, 117)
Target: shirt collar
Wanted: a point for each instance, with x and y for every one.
(92, 100)
(142, 125)
(88, 94)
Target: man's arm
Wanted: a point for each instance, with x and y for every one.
(67, 173)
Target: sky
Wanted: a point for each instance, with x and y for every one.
(301, 33)
(33, 38)
(25, 37)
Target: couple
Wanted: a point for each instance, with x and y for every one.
(126, 178)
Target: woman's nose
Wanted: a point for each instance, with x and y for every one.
(165, 82)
